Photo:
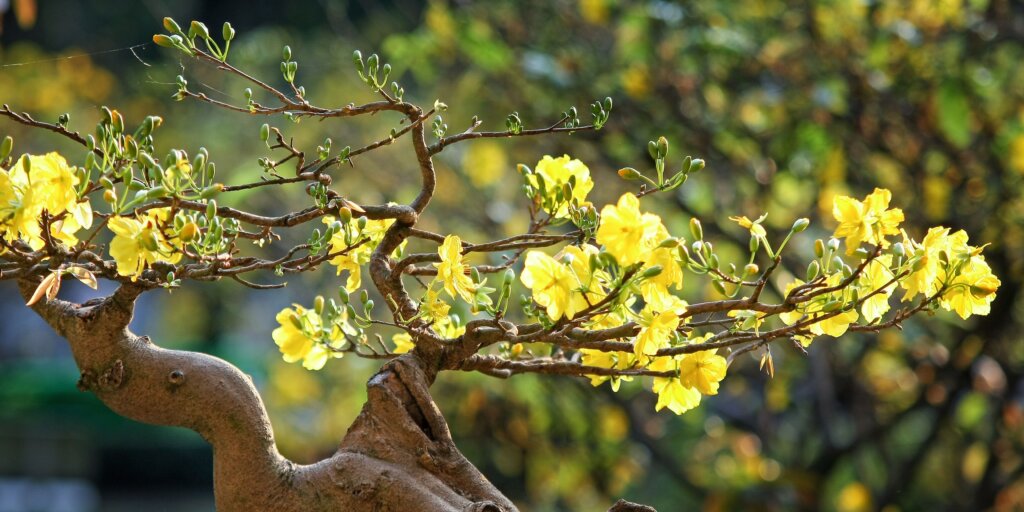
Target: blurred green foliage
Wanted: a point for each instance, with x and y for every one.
(789, 103)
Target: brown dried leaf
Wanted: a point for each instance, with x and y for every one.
(55, 287)
(86, 277)
(42, 290)
(353, 206)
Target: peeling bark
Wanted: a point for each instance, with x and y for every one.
(398, 454)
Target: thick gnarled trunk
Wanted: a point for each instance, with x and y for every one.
(397, 455)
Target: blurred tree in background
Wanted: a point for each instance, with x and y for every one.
(789, 102)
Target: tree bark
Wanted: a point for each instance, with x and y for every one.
(397, 455)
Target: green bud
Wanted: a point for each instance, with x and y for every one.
(171, 26)
(211, 208)
(662, 147)
(812, 271)
(106, 183)
(357, 58)
(800, 225)
(833, 244)
(211, 191)
(897, 248)
(265, 132)
(669, 243)
(684, 255)
(318, 304)
(364, 296)
(695, 165)
(713, 262)
(652, 149)
(162, 40)
(361, 223)
(819, 248)
(286, 53)
(509, 277)
(227, 31)
(755, 244)
(719, 286)
(695, 229)
(5, 147)
(750, 269)
(653, 271)
(833, 305)
(629, 173)
(198, 28)
(156, 192)
(295, 320)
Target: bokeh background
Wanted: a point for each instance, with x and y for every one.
(790, 102)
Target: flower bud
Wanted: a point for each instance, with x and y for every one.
(833, 244)
(198, 28)
(653, 271)
(812, 271)
(750, 269)
(188, 232)
(819, 248)
(228, 32)
(629, 173)
(800, 225)
(318, 304)
(696, 230)
(171, 26)
(696, 165)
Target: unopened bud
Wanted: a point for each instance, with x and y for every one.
(696, 230)
(800, 225)
(629, 173)
(750, 269)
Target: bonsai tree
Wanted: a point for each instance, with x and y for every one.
(597, 284)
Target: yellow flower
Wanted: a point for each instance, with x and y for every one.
(556, 172)
(432, 307)
(447, 328)
(294, 342)
(403, 342)
(672, 393)
(588, 289)
(869, 221)
(702, 371)
(924, 280)
(655, 290)
(835, 326)
(600, 359)
(755, 227)
(657, 328)
(138, 242)
(552, 284)
(875, 276)
(452, 272)
(791, 317)
(626, 233)
(971, 292)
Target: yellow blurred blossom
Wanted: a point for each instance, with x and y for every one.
(403, 342)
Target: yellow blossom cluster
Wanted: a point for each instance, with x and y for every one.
(140, 241)
(558, 183)
(42, 183)
(356, 240)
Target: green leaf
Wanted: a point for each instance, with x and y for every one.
(954, 114)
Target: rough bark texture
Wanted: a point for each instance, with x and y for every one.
(398, 454)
